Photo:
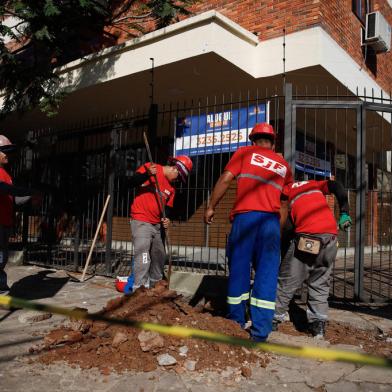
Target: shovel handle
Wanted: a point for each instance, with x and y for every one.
(95, 238)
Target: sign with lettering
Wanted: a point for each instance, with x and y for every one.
(311, 164)
(217, 132)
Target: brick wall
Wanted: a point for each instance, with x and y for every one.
(342, 24)
(267, 19)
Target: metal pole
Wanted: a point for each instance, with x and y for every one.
(360, 204)
(77, 244)
(109, 223)
(152, 81)
(288, 126)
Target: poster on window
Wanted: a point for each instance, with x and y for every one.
(217, 132)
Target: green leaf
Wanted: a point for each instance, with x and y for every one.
(50, 9)
(43, 33)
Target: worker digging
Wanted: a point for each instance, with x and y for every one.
(149, 219)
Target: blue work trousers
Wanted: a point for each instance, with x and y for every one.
(254, 241)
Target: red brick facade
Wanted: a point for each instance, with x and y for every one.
(267, 19)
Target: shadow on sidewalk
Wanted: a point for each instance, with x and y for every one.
(378, 310)
(38, 286)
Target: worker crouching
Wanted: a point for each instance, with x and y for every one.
(312, 249)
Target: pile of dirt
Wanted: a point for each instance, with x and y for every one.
(112, 347)
(371, 341)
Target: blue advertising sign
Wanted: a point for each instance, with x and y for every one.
(312, 165)
(217, 132)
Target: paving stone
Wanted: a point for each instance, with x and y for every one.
(170, 381)
(289, 375)
(345, 386)
(314, 373)
(264, 376)
(33, 317)
(145, 382)
(326, 373)
(285, 387)
(349, 347)
(354, 319)
(371, 374)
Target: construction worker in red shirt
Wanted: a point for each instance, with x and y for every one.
(147, 224)
(312, 249)
(254, 240)
(9, 193)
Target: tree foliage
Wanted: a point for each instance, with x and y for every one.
(45, 34)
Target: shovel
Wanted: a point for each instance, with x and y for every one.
(162, 207)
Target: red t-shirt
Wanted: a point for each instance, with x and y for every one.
(262, 176)
(309, 208)
(146, 205)
(6, 201)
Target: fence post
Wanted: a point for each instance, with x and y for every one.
(77, 243)
(360, 184)
(109, 217)
(289, 135)
(153, 122)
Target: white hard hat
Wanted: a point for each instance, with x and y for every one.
(5, 144)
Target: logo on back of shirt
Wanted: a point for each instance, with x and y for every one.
(299, 184)
(269, 164)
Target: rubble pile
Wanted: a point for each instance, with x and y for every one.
(116, 348)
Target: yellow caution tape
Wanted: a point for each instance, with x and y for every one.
(311, 352)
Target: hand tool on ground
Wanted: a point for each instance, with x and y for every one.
(81, 280)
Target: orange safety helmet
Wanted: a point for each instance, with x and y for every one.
(5, 144)
(184, 165)
(262, 129)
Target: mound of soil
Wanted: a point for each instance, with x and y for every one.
(111, 347)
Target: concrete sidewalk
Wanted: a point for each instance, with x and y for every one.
(19, 330)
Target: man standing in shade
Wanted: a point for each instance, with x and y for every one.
(9, 193)
(312, 249)
(254, 240)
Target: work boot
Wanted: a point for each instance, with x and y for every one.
(275, 324)
(4, 289)
(317, 329)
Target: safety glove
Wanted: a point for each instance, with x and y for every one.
(344, 221)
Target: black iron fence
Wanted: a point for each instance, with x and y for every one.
(322, 136)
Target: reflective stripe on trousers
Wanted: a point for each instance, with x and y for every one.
(254, 241)
(260, 303)
(237, 300)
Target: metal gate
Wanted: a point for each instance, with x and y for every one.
(344, 137)
(349, 140)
